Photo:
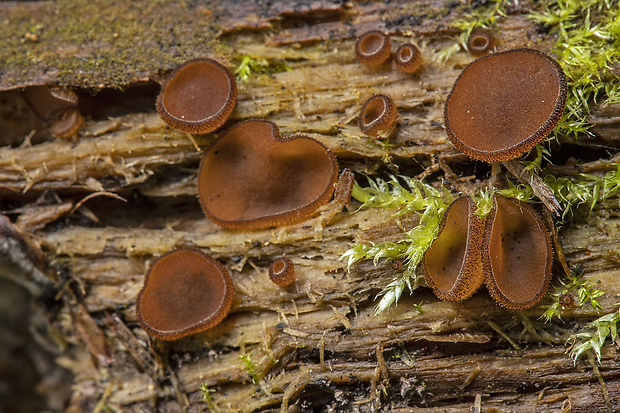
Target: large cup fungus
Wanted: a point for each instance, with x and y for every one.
(373, 48)
(378, 116)
(198, 97)
(185, 292)
(254, 178)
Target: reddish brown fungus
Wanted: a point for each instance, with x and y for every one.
(480, 42)
(198, 97)
(373, 48)
(254, 178)
(68, 124)
(503, 104)
(185, 292)
(378, 116)
(408, 58)
(452, 265)
(517, 254)
(48, 102)
(282, 272)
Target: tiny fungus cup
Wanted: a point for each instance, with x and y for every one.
(282, 272)
(408, 58)
(185, 292)
(198, 97)
(67, 124)
(517, 254)
(378, 116)
(373, 48)
(254, 178)
(504, 103)
(48, 102)
(452, 265)
(480, 42)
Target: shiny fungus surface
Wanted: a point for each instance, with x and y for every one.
(48, 102)
(198, 96)
(480, 42)
(185, 292)
(408, 58)
(252, 177)
(378, 115)
(373, 48)
(504, 103)
(282, 272)
(517, 254)
(452, 265)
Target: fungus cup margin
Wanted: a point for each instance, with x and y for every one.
(373, 48)
(377, 116)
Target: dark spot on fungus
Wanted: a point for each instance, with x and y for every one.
(480, 42)
(378, 116)
(185, 292)
(408, 58)
(198, 97)
(529, 278)
(456, 250)
(503, 104)
(373, 48)
(281, 181)
(282, 272)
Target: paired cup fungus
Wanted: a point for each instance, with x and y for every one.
(282, 272)
(185, 292)
(373, 48)
(52, 103)
(408, 58)
(480, 42)
(504, 103)
(378, 116)
(198, 97)
(252, 177)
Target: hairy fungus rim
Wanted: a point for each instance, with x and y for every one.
(382, 122)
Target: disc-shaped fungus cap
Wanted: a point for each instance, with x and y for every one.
(198, 97)
(185, 292)
(282, 272)
(504, 103)
(373, 48)
(378, 115)
(408, 58)
(480, 42)
(254, 178)
(452, 266)
(517, 254)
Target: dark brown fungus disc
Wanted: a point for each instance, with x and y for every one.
(373, 48)
(50, 101)
(198, 97)
(480, 42)
(185, 292)
(282, 272)
(254, 178)
(68, 124)
(408, 58)
(503, 104)
(517, 254)
(452, 265)
(378, 115)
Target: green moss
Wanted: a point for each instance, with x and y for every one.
(249, 65)
(595, 335)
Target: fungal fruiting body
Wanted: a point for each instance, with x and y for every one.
(378, 116)
(185, 292)
(68, 124)
(373, 48)
(254, 178)
(198, 97)
(452, 265)
(282, 272)
(52, 103)
(480, 42)
(408, 58)
(517, 254)
(504, 103)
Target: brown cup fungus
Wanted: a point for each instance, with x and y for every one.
(254, 178)
(517, 254)
(504, 103)
(480, 42)
(185, 292)
(452, 265)
(408, 58)
(373, 48)
(282, 272)
(378, 116)
(198, 97)
(52, 103)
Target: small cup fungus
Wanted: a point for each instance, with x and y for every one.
(452, 265)
(52, 103)
(408, 58)
(198, 97)
(373, 48)
(254, 178)
(378, 116)
(517, 254)
(185, 292)
(480, 42)
(504, 103)
(282, 272)
(68, 124)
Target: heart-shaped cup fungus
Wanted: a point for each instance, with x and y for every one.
(452, 265)
(504, 103)
(254, 178)
(185, 292)
(373, 48)
(198, 97)
(480, 42)
(517, 254)
(378, 116)
(408, 58)
(282, 272)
